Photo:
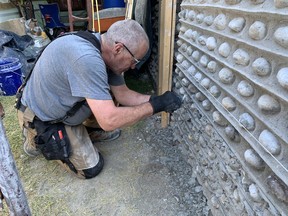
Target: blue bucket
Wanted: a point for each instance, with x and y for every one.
(113, 3)
(10, 76)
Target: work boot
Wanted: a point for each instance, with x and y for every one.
(99, 135)
(29, 144)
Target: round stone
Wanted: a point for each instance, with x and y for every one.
(178, 85)
(179, 42)
(268, 104)
(183, 29)
(247, 121)
(237, 24)
(185, 64)
(226, 76)
(202, 40)
(188, 33)
(200, 18)
(219, 119)
(245, 89)
(191, 15)
(224, 49)
(196, 55)
(181, 74)
(182, 14)
(212, 65)
(194, 35)
(252, 158)
(200, 97)
(261, 67)
(182, 91)
(281, 36)
(198, 76)
(191, 70)
(214, 90)
(230, 132)
(205, 82)
(257, 30)
(211, 43)
(204, 61)
(185, 82)
(192, 88)
(229, 103)
(282, 77)
(189, 50)
(180, 58)
(209, 129)
(206, 105)
(220, 22)
(254, 193)
(241, 57)
(208, 20)
(183, 47)
(178, 26)
(270, 142)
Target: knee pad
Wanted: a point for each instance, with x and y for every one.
(94, 171)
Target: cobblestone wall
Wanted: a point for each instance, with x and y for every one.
(232, 72)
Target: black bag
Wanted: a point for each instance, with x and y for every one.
(52, 140)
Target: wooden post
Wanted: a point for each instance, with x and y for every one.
(166, 49)
(129, 9)
(10, 184)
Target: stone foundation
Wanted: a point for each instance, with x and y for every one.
(232, 72)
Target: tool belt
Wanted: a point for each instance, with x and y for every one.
(52, 140)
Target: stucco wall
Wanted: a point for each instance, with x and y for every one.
(232, 72)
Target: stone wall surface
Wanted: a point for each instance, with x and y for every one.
(232, 72)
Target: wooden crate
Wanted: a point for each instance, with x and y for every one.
(105, 23)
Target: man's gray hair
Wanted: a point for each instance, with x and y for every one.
(129, 32)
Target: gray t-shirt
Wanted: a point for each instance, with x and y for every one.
(69, 70)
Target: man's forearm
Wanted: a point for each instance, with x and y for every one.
(128, 97)
(111, 117)
(127, 116)
(133, 99)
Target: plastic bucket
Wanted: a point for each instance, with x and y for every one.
(113, 3)
(10, 76)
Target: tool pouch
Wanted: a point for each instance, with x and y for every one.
(52, 140)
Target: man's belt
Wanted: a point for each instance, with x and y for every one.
(22, 108)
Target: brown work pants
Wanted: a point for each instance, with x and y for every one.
(84, 154)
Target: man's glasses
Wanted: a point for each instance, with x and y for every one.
(136, 60)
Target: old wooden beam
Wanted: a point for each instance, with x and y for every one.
(10, 183)
(166, 49)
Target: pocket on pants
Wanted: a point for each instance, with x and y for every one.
(52, 140)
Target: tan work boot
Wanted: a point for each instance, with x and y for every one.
(99, 135)
(29, 144)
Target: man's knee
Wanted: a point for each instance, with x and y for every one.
(94, 171)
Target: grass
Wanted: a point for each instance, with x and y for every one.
(40, 178)
(11, 125)
(43, 204)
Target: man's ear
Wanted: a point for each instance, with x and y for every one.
(118, 48)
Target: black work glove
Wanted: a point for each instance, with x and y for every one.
(167, 102)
